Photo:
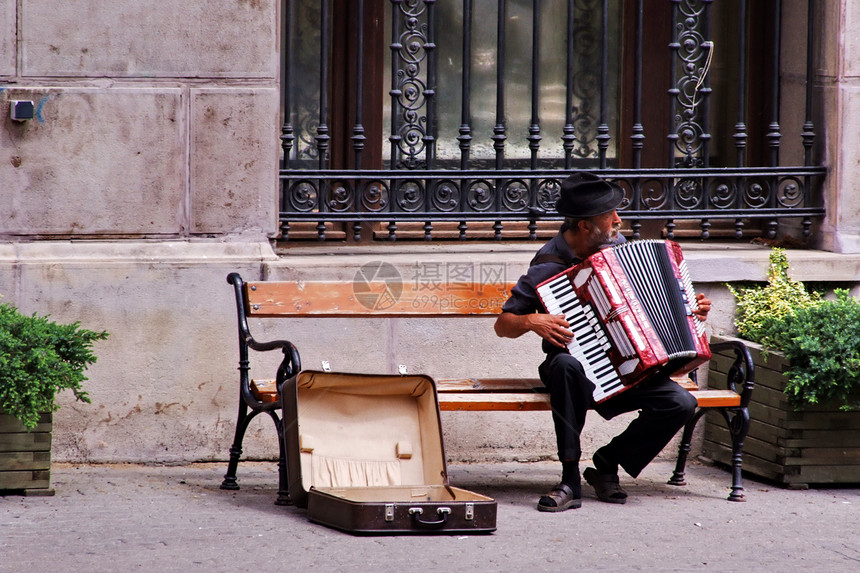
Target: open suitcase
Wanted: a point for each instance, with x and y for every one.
(365, 455)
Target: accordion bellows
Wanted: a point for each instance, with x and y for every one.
(630, 308)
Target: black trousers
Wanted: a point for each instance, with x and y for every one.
(664, 408)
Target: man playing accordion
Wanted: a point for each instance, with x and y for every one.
(589, 205)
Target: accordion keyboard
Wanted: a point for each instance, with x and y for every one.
(590, 343)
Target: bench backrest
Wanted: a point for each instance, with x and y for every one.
(270, 299)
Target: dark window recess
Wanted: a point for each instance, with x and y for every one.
(424, 120)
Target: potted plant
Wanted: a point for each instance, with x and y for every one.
(38, 359)
(805, 412)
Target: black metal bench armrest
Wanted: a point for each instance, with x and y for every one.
(741, 374)
(290, 365)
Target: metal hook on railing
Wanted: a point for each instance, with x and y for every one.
(709, 45)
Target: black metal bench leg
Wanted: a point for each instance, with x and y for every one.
(684, 449)
(739, 425)
(283, 484)
(236, 449)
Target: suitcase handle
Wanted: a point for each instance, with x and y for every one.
(443, 512)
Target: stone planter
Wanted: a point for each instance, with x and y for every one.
(25, 457)
(816, 445)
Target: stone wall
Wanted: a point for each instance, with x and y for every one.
(148, 172)
(838, 117)
(152, 119)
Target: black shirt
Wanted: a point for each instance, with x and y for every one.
(551, 259)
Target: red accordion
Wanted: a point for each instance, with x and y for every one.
(630, 308)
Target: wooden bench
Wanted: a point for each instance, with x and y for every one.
(285, 299)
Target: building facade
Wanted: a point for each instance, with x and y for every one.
(170, 143)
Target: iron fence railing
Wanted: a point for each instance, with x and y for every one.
(435, 170)
(760, 195)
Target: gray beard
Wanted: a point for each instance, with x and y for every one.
(597, 238)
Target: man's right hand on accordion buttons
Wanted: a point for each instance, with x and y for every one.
(704, 307)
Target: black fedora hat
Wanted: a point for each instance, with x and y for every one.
(584, 194)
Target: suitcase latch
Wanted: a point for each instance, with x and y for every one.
(389, 512)
(470, 511)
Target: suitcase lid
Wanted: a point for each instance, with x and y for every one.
(361, 430)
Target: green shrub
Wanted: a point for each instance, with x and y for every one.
(39, 358)
(819, 337)
(779, 297)
(822, 345)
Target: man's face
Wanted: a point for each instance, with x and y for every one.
(604, 228)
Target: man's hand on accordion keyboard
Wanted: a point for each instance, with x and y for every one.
(704, 304)
(552, 327)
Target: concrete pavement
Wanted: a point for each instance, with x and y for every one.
(122, 517)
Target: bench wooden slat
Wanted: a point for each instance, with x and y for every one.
(686, 384)
(717, 398)
(265, 391)
(490, 385)
(458, 401)
(378, 299)
(507, 394)
(490, 401)
(516, 384)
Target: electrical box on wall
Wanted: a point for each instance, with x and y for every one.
(22, 110)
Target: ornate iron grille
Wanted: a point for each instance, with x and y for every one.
(417, 185)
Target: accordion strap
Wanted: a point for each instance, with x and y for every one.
(540, 259)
